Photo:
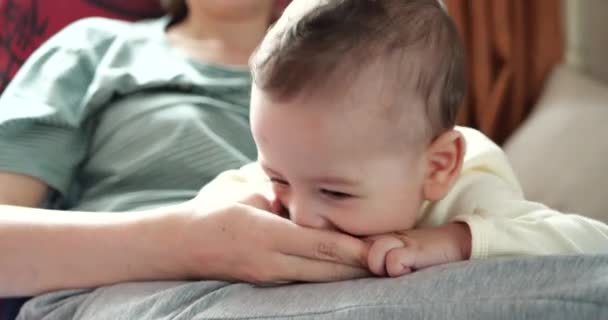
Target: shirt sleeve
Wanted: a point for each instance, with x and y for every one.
(488, 198)
(505, 224)
(42, 109)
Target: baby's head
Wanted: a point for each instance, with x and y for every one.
(353, 111)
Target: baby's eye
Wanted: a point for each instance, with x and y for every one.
(280, 182)
(336, 195)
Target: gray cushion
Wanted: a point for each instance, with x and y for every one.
(574, 287)
(560, 154)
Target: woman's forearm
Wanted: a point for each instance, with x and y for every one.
(44, 250)
(213, 236)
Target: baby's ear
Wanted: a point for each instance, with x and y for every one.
(444, 162)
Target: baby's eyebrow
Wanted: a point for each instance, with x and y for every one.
(329, 180)
(335, 181)
(269, 170)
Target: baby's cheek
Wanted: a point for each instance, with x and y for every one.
(398, 218)
(356, 222)
(370, 222)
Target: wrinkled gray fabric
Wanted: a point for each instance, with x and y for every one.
(574, 287)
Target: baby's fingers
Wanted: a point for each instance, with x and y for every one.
(400, 261)
(378, 252)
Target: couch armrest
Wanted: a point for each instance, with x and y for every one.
(560, 153)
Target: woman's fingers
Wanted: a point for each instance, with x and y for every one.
(321, 245)
(256, 244)
(296, 268)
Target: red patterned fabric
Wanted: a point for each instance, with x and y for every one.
(283, 3)
(25, 24)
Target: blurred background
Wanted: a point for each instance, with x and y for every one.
(512, 45)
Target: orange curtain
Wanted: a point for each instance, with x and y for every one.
(511, 47)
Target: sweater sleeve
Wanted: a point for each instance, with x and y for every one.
(488, 198)
(42, 109)
(505, 224)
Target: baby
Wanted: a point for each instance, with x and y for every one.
(353, 112)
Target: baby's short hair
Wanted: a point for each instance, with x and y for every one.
(418, 35)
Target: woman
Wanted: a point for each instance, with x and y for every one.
(108, 118)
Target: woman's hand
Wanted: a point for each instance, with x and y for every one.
(228, 232)
(403, 252)
(241, 242)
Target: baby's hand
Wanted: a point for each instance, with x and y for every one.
(403, 252)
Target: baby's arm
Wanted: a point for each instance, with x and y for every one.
(488, 198)
(500, 223)
(486, 218)
(505, 224)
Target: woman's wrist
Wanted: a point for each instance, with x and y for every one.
(157, 239)
(152, 244)
(128, 246)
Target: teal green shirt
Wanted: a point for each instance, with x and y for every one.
(109, 115)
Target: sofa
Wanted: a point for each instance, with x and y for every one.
(560, 152)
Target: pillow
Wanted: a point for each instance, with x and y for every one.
(560, 153)
(25, 24)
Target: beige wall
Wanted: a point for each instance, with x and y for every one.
(587, 36)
